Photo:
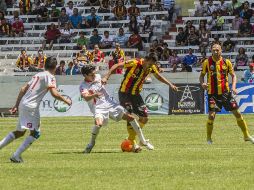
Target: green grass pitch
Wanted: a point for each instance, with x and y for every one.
(181, 159)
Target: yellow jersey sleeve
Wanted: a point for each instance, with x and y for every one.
(130, 63)
(155, 69)
(205, 67)
(230, 66)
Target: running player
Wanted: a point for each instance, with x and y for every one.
(219, 94)
(103, 107)
(28, 102)
(129, 92)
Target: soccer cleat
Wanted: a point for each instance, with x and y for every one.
(148, 145)
(209, 142)
(136, 148)
(16, 159)
(250, 138)
(88, 149)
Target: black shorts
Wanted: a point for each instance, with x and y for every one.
(215, 102)
(133, 104)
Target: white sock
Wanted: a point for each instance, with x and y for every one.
(95, 132)
(8, 139)
(138, 130)
(26, 144)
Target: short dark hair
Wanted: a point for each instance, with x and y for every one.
(152, 57)
(50, 63)
(86, 69)
(62, 62)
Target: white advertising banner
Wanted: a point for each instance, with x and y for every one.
(156, 97)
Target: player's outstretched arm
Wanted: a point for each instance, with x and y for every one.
(111, 70)
(58, 96)
(22, 92)
(165, 81)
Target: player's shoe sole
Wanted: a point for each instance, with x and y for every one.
(16, 159)
(251, 139)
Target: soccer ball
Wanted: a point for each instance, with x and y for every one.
(126, 146)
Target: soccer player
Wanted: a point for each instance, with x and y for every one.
(129, 92)
(103, 107)
(28, 102)
(219, 94)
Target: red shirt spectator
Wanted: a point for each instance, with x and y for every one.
(51, 36)
(135, 41)
(18, 27)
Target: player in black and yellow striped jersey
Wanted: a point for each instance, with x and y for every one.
(136, 71)
(217, 70)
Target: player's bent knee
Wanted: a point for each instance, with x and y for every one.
(18, 134)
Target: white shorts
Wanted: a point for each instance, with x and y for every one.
(28, 119)
(113, 111)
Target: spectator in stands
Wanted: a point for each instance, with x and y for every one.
(212, 22)
(148, 28)
(51, 36)
(5, 29)
(92, 3)
(3, 6)
(42, 13)
(106, 41)
(234, 7)
(120, 11)
(94, 39)
(133, 24)
(166, 52)
(201, 59)
(168, 5)
(203, 40)
(81, 41)
(246, 12)
(25, 7)
(76, 19)
(220, 21)
(245, 28)
(66, 33)
(248, 75)
(84, 56)
(17, 28)
(188, 27)
(117, 56)
(121, 38)
(69, 70)
(252, 59)
(59, 3)
(39, 60)
(1, 16)
(202, 26)
(241, 59)
(236, 22)
(15, 16)
(23, 62)
(192, 38)
(104, 8)
(181, 39)
(75, 68)
(174, 61)
(54, 13)
(63, 18)
(9, 3)
(92, 21)
(210, 8)
(223, 7)
(133, 11)
(97, 55)
(135, 41)
(69, 9)
(228, 45)
(216, 40)
(188, 61)
(60, 70)
(200, 9)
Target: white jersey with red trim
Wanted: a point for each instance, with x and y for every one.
(38, 87)
(103, 101)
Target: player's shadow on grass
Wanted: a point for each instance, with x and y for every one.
(81, 152)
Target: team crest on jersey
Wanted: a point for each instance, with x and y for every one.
(29, 125)
(212, 68)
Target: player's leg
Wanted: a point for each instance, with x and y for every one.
(243, 126)
(209, 126)
(94, 133)
(34, 135)
(11, 137)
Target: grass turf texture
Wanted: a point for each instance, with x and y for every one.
(182, 159)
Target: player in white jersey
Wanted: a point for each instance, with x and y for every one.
(28, 102)
(103, 107)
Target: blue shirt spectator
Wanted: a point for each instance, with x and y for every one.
(92, 21)
(76, 20)
(189, 60)
(248, 75)
(94, 39)
(121, 38)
